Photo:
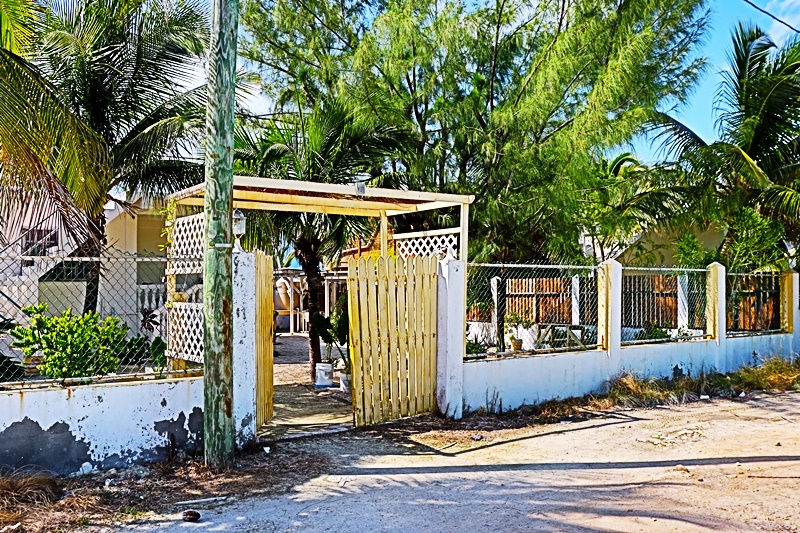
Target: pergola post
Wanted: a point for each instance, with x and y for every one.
(384, 235)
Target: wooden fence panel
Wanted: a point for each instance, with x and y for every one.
(265, 322)
(650, 300)
(393, 337)
(753, 302)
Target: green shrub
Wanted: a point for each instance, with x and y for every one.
(70, 345)
(158, 353)
(135, 351)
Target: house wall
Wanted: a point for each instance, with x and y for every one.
(658, 247)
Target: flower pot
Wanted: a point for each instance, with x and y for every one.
(516, 345)
(324, 375)
(344, 382)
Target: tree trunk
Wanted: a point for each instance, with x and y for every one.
(93, 249)
(307, 252)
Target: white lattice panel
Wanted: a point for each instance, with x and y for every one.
(185, 324)
(420, 246)
(187, 236)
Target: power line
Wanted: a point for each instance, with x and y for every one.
(773, 17)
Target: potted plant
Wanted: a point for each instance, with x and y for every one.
(514, 321)
(335, 331)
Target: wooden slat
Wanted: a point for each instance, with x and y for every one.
(419, 352)
(394, 374)
(366, 346)
(402, 335)
(374, 340)
(411, 330)
(383, 337)
(427, 334)
(433, 316)
(354, 308)
(264, 338)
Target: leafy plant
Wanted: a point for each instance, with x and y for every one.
(70, 345)
(335, 331)
(158, 353)
(135, 351)
(651, 331)
(514, 321)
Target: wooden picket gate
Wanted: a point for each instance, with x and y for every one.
(264, 333)
(392, 308)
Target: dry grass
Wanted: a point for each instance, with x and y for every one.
(21, 488)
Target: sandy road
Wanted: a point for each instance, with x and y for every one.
(710, 466)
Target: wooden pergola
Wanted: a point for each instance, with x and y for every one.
(268, 194)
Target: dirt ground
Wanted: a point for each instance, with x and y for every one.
(718, 465)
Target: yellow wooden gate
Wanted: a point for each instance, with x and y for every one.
(265, 321)
(392, 308)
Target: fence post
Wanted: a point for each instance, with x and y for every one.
(683, 301)
(788, 300)
(450, 335)
(609, 306)
(244, 347)
(576, 299)
(499, 314)
(716, 311)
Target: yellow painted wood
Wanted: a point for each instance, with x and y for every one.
(355, 345)
(374, 340)
(393, 337)
(412, 336)
(787, 309)
(264, 338)
(382, 355)
(402, 336)
(366, 344)
(419, 352)
(394, 374)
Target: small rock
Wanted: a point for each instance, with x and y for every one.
(681, 468)
(477, 437)
(777, 444)
(705, 397)
(86, 469)
(267, 449)
(742, 394)
(190, 515)
(110, 483)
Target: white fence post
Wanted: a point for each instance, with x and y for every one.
(244, 347)
(716, 312)
(609, 307)
(576, 299)
(450, 335)
(683, 302)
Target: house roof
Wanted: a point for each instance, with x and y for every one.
(270, 194)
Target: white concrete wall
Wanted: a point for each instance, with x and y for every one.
(510, 382)
(244, 347)
(106, 425)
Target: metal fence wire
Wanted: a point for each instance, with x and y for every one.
(753, 303)
(663, 304)
(533, 308)
(71, 318)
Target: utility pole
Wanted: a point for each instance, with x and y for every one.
(219, 438)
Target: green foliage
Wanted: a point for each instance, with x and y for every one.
(514, 321)
(335, 330)
(511, 101)
(652, 332)
(69, 345)
(158, 353)
(748, 180)
(134, 351)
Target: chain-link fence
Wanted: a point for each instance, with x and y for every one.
(533, 308)
(663, 305)
(71, 318)
(753, 303)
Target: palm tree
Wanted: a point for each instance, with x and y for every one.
(331, 144)
(756, 162)
(121, 68)
(48, 156)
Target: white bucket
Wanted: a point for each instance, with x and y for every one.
(324, 375)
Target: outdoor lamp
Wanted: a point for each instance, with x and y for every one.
(239, 222)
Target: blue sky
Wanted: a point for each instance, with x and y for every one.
(698, 113)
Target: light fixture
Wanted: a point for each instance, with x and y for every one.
(239, 224)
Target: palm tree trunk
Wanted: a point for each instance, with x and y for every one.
(307, 252)
(93, 249)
